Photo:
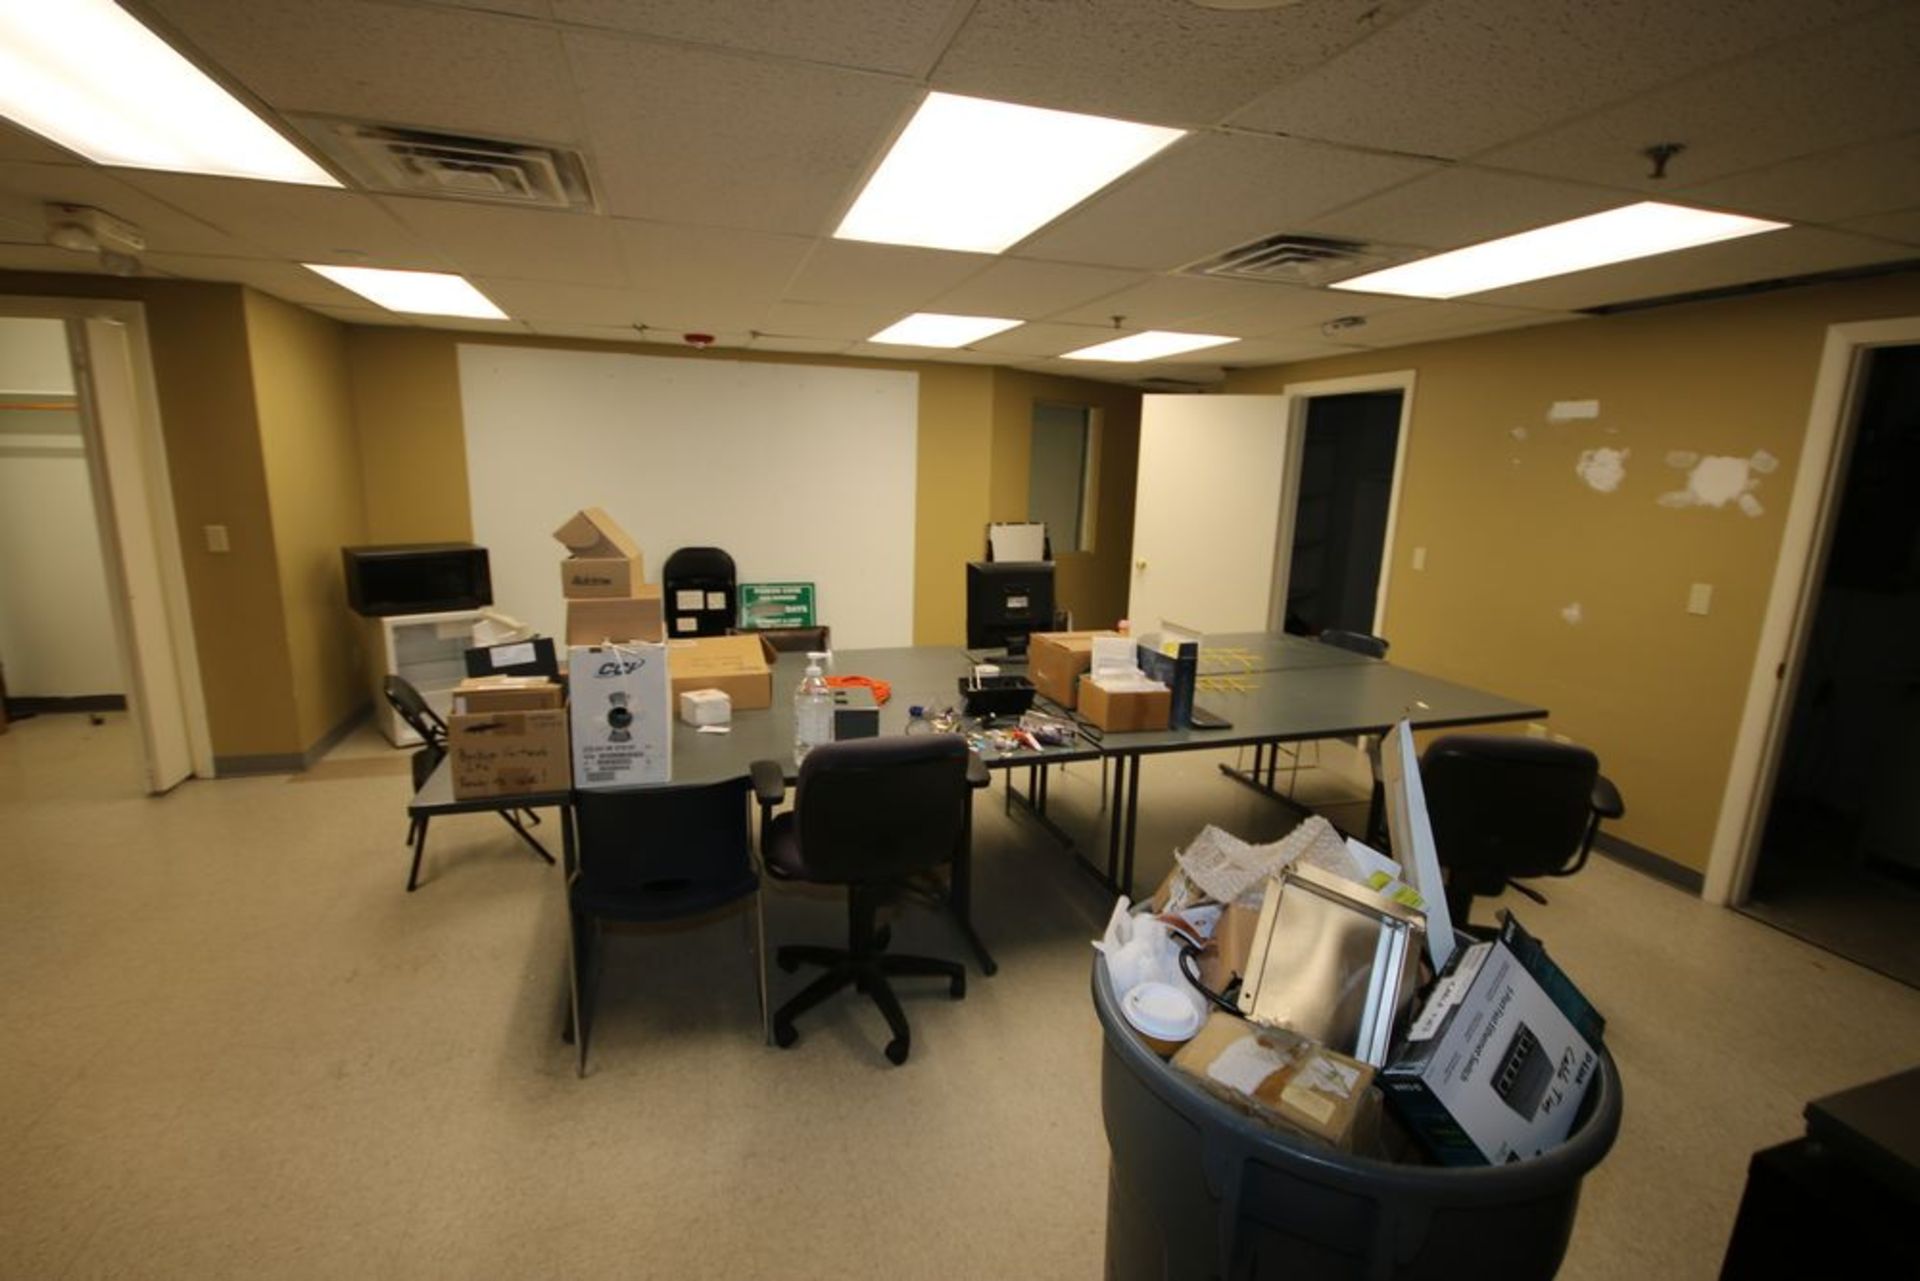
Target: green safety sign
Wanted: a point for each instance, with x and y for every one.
(765, 606)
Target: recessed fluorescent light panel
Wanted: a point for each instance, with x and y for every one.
(980, 176)
(1150, 345)
(87, 75)
(1597, 240)
(422, 293)
(934, 329)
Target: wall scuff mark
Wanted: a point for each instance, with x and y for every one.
(1602, 469)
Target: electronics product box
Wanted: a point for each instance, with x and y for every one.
(705, 707)
(1279, 1076)
(595, 621)
(480, 694)
(508, 753)
(1056, 660)
(1492, 1070)
(740, 666)
(856, 714)
(1125, 704)
(596, 577)
(533, 657)
(622, 715)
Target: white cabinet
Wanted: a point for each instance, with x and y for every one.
(429, 652)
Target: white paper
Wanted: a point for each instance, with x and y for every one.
(1113, 654)
(1246, 1063)
(513, 655)
(1449, 992)
(687, 598)
(716, 600)
(685, 623)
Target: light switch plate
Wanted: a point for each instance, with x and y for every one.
(1699, 598)
(216, 538)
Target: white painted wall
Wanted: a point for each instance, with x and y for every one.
(800, 472)
(57, 635)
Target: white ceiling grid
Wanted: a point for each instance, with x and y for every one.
(725, 139)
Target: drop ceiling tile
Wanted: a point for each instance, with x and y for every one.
(822, 320)
(461, 324)
(1432, 321)
(901, 36)
(598, 333)
(786, 342)
(710, 265)
(1463, 206)
(537, 301)
(1254, 353)
(1021, 288)
(362, 315)
(1148, 60)
(1903, 226)
(306, 224)
(523, 244)
(1169, 302)
(457, 69)
(22, 144)
(1835, 186)
(1840, 87)
(1278, 310)
(841, 271)
(938, 355)
(689, 136)
(523, 8)
(1210, 193)
(1455, 78)
(1771, 256)
(166, 228)
(281, 279)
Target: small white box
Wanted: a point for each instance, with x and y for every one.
(622, 729)
(706, 707)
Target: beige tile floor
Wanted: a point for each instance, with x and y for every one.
(230, 1044)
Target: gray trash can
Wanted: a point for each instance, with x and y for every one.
(1198, 1190)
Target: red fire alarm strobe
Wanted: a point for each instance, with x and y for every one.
(697, 340)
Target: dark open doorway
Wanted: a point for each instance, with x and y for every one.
(1840, 857)
(1340, 519)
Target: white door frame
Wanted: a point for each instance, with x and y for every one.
(1780, 656)
(160, 529)
(1400, 380)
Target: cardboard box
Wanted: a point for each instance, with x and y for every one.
(741, 666)
(617, 619)
(1279, 1077)
(1492, 1070)
(593, 577)
(591, 533)
(1228, 951)
(1056, 661)
(482, 694)
(622, 725)
(508, 753)
(1124, 708)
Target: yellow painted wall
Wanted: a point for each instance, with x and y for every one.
(413, 454)
(199, 343)
(314, 485)
(955, 463)
(1094, 585)
(1514, 536)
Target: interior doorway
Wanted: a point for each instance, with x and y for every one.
(1342, 500)
(1839, 851)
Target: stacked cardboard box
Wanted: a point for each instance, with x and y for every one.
(507, 736)
(1056, 661)
(603, 581)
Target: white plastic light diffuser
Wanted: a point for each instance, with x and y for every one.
(89, 76)
(422, 293)
(1151, 345)
(937, 329)
(1597, 240)
(976, 175)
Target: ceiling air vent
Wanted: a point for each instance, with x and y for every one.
(1292, 259)
(418, 162)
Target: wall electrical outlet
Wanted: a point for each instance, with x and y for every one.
(216, 538)
(1699, 598)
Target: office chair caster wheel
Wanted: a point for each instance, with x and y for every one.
(897, 1050)
(784, 1035)
(957, 988)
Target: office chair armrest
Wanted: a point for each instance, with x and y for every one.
(976, 770)
(769, 783)
(1606, 799)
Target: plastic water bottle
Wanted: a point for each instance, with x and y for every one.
(812, 710)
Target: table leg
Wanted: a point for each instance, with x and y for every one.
(960, 897)
(1133, 827)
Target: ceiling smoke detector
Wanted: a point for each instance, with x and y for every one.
(421, 162)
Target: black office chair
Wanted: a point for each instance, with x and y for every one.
(1505, 807)
(1357, 642)
(707, 573)
(408, 704)
(651, 854)
(868, 814)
